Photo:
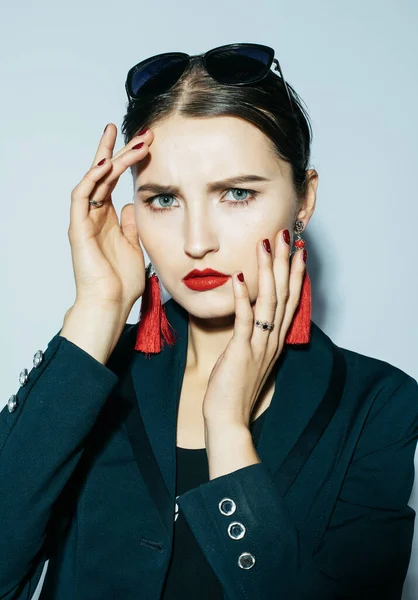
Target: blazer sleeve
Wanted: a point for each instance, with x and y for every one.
(365, 549)
(41, 442)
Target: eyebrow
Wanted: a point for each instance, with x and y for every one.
(216, 186)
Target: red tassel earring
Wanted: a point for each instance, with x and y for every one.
(299, 331)
(153, 327)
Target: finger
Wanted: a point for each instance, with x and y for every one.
(80, 195)
(105, 187)
(106, 144)
(297, 274)
(102, 192)
(87, 188)
(147, 137)
(281, 269)
(244, 319)
(128, 225)
(266, 303)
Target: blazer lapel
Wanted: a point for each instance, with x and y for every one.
(157, 384)
(303, 374)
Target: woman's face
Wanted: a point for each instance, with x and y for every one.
(199, 227)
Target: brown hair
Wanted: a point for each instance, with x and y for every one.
(265, 104)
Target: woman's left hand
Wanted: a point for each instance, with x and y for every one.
(243, 368)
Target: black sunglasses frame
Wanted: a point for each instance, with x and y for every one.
(204, 57)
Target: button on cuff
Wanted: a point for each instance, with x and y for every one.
(236, 530)
(246, 560)
(227, 507)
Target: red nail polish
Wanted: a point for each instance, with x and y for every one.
(267, 245)
(143, 131)
(305, 254)
(286, 236)
(102, 162)
(241, 277)
(137, 146)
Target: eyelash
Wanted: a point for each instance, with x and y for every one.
(245, 202)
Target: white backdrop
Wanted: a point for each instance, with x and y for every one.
(63, 71)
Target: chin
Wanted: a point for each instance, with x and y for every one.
(207, 305)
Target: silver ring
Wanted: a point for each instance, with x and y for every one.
(264, 325)
(94, 203)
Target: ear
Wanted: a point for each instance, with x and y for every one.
(307, 205)
(128, 225)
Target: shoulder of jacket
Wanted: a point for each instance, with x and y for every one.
(392, 394)
(365, 369)
(368, 367)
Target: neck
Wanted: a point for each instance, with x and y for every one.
(207, 339)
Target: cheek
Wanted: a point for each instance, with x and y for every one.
(151, 231)
(161, 249)
(161, 244)
(251, 269)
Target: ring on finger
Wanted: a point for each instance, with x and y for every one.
(95, 203)
(264, 325)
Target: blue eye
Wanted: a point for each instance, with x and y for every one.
(253, 194)
(154, 198)
(240, 199)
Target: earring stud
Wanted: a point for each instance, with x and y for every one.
(298, 242)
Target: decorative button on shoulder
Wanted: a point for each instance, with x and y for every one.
(227, 506)
(23, 377)
(38, 358)
(236, 530)
(246, 560)
(12, 403)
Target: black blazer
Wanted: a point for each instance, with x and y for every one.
(325, 512)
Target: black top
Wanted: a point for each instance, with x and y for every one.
(189, 573)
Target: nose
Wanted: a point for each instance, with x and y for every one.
(200, 235)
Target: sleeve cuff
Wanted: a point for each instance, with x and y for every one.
(262, 546)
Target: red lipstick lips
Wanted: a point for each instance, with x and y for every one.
(204, 273)
(204, 280)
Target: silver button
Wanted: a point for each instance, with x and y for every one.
(12, 403)
(227, 506)
(23, 377)
(246, 560)
(236, 530)
(176, 510)
(38, 358)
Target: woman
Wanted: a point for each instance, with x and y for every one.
(246, 457)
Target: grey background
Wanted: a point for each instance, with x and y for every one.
(63, 71)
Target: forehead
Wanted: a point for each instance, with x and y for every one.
(216, 146)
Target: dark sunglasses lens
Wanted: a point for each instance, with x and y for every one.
(158, 75)
(239, 65)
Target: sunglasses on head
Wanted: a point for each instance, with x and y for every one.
(233, 64)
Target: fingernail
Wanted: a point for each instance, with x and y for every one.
(267, 245)
(304, 256)
(102, 162)
(137, 146)
(143, 131)
(104, 130)
(241, 277)
(286, 236)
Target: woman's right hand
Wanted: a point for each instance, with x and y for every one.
(107, 258)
